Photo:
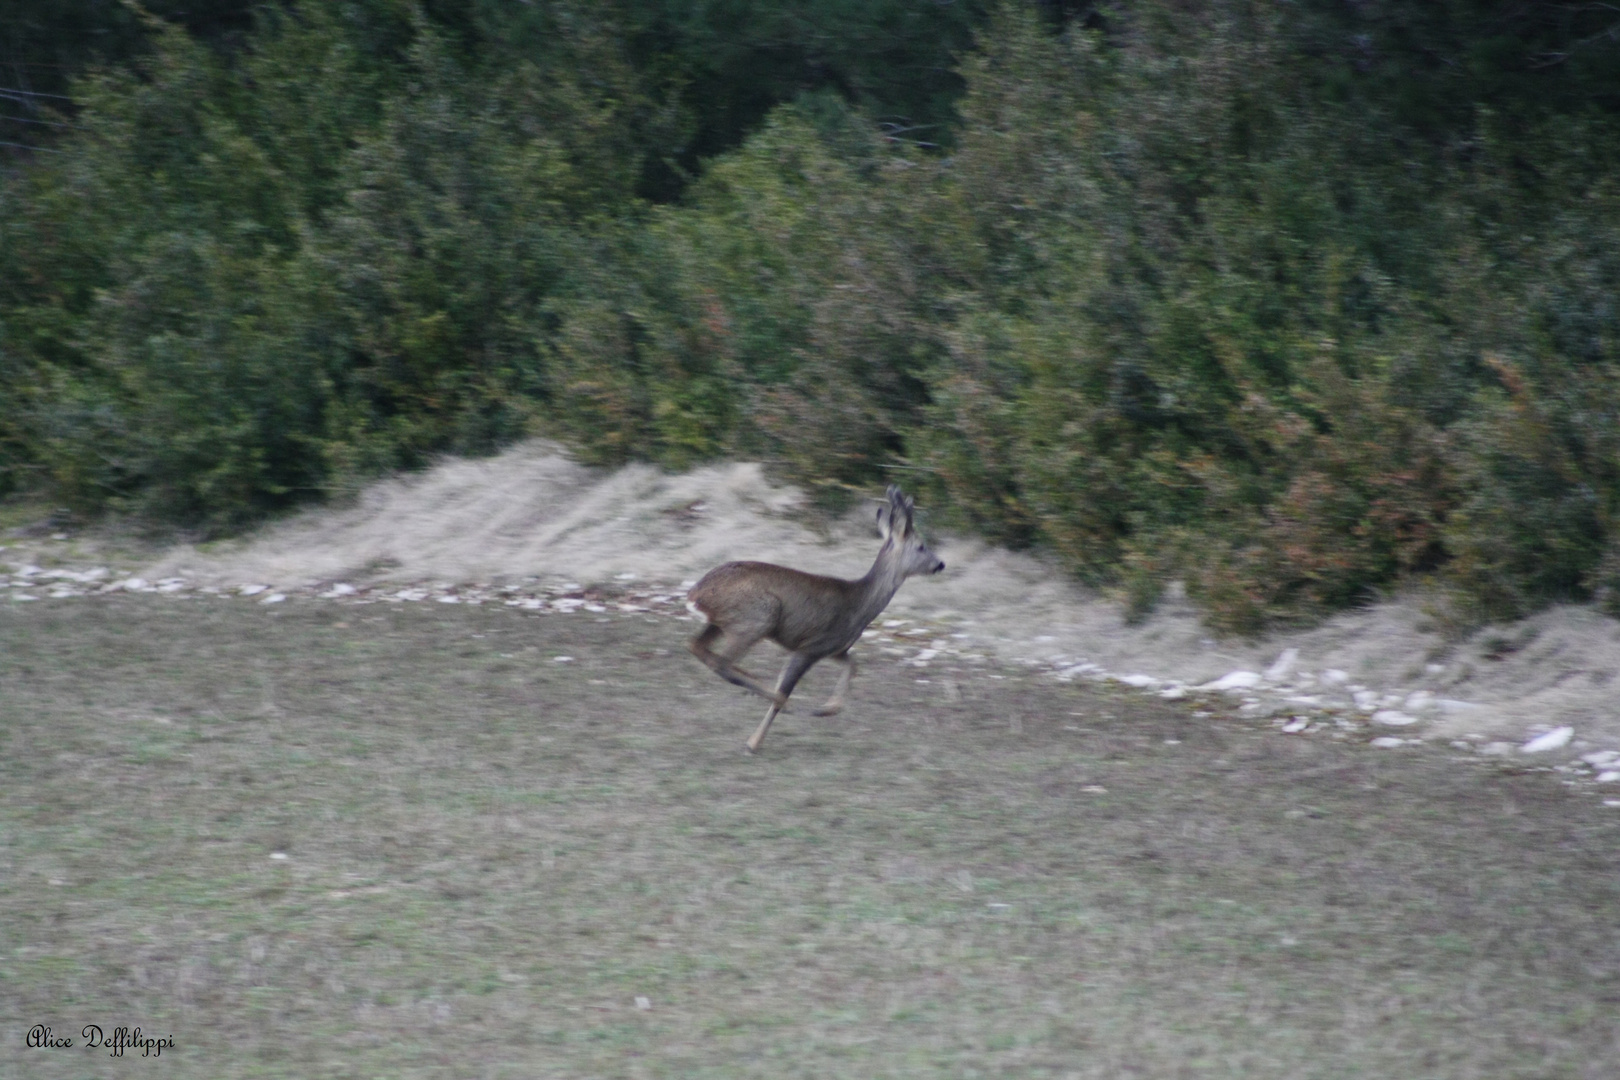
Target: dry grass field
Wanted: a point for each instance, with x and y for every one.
(325, 840)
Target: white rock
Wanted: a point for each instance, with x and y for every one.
(245, 590)
(1284, 664)
(274, 598)
(1139, 680)
(1392, 718)
(1554, 739)
(1387, 742)
(1600, 758)
(1609, 776)
(1173, 693)
(1497, 749)
(1235, 680)
(1298, 723)
(340, 589)
(1419, 701)
(1367, 700)
(1334, 675)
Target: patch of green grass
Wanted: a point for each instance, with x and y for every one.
(491, 856)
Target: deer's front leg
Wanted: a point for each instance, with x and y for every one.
(836, 702)
(797, 664)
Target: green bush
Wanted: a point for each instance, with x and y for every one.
(1291, 303)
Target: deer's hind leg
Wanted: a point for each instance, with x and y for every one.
(722, 661)
(797, 664)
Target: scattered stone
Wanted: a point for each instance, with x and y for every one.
(1392, 718)
(1284, 664)
(1553, 740)
(1419, 701)
(1387, 742)
(1235, 680)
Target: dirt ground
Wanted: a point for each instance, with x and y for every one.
(328, 838)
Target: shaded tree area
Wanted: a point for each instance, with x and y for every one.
(1291, 302)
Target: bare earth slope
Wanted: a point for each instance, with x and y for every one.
(531, 514)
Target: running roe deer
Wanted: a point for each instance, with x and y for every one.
(811, 616)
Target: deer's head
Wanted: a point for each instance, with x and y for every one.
(894, 521)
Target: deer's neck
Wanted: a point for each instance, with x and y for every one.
(880, 584)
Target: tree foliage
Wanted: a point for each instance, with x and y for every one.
(1288, 302)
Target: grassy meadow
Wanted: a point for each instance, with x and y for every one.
(327, 840)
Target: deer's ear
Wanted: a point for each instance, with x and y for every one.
(885, 519)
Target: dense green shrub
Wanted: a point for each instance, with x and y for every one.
(246, 284)
(1288, 302)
